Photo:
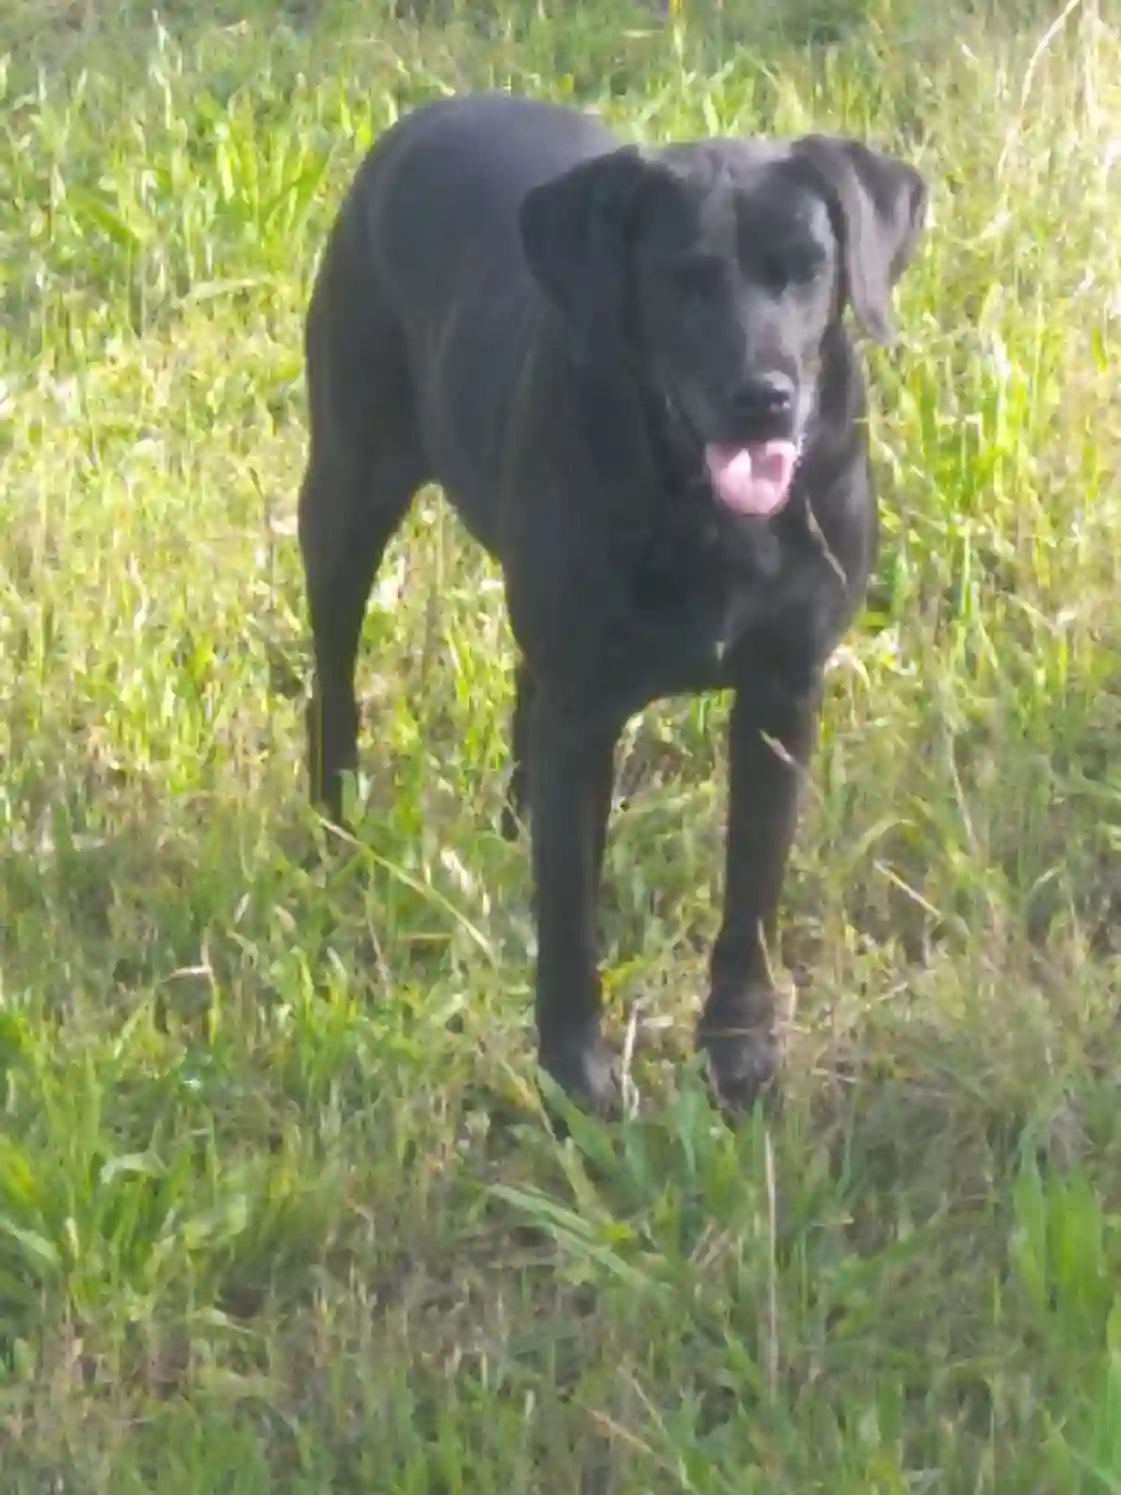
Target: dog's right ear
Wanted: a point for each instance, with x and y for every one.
(574, 230)
(879, 204)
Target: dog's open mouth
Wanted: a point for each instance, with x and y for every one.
(753, 479)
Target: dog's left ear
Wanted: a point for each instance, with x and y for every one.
(574, 232)
(878, 204)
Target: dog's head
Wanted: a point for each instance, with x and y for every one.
(720, 268)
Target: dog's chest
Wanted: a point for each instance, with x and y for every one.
(699, 613)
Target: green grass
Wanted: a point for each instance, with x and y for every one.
(277, 1209)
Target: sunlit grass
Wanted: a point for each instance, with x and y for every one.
(275, 1212)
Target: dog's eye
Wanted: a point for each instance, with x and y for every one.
(791, 266)
(774, 271)
(697, 275)
(804, 266)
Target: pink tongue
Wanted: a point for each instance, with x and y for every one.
(752, 479)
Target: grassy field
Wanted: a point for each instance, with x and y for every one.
(277, 1209)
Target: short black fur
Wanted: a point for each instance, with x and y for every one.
(557, 329)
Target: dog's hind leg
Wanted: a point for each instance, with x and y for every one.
(365, 465)
(341, 557)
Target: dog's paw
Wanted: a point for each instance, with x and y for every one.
(586, 1073)
(744, 1064)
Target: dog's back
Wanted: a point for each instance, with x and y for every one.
(441, 192)
(425, 281)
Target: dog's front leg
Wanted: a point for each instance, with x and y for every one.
(770, 741)
(571, 767)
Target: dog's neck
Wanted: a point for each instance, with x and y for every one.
(666, 527)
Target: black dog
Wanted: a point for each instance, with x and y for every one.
(628, 371)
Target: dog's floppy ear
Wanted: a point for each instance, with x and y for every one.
(879, 211)
(574, 231)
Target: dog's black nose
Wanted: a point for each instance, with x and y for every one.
(768, 397)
